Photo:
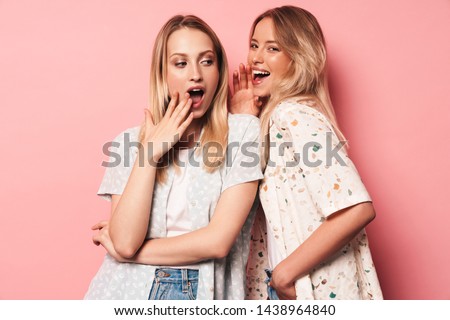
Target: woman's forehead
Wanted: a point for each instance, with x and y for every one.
(187, 41)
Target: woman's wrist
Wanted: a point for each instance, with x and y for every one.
(150, 155)
(282, 276)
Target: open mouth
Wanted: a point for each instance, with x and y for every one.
(259, 75)
(196, 96)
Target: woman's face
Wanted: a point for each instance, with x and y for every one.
(192, 68)
(266, 58)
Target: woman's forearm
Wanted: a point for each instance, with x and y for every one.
(130, 218)
(213, 241)
(180, 250)
(334, 233)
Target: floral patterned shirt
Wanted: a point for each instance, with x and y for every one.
(308, 178)
(218, 279)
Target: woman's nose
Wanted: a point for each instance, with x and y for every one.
(257, 57)
(196, 74)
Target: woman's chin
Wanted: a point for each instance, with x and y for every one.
(198, 113)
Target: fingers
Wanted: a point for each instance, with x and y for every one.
(96, 240)
(257, 101)
(100, 225)
(286, 293)
(149, 121)
(249, 74)
(185, 124)
(181, 106)
(183, 112)
(235, 81)
(172, 104)
(243, 84)
(148, 118)
(243, 79)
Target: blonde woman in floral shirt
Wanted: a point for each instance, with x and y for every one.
(315, 205)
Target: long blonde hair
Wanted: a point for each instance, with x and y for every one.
(215, 121)
(299, 35)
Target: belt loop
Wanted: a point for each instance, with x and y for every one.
(184, 280)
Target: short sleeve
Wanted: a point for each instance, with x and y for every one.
(243, 155)
(122, 155)
(329, 175)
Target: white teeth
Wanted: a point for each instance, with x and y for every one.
(258, 72)
(196, 90)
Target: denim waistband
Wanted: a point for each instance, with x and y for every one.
(172, 274)
(271, 292)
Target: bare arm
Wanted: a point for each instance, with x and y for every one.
(210, 242)
(131, 211)
(334, 233)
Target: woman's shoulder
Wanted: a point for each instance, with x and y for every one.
(298, 111)
(241, 125)
(297, 106)
(130, 134)
(240, 119)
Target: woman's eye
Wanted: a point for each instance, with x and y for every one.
(180, 64)
(207, 62)
(253, 46)
(273, 49)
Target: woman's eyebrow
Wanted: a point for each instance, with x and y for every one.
(185, 54)
(178, 54)
(205, 52)
(267, 42)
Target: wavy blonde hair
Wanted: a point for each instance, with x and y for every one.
(215, 120)
(299, 35)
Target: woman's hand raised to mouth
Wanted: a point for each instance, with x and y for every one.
(243, 99)
(160, 138)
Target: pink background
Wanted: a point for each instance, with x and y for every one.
(75, 73)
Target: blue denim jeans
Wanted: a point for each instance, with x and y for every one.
(271, 293)
(174, 284)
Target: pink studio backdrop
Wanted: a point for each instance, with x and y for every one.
(73, 74)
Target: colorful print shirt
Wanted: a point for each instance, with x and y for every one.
(308, 178)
